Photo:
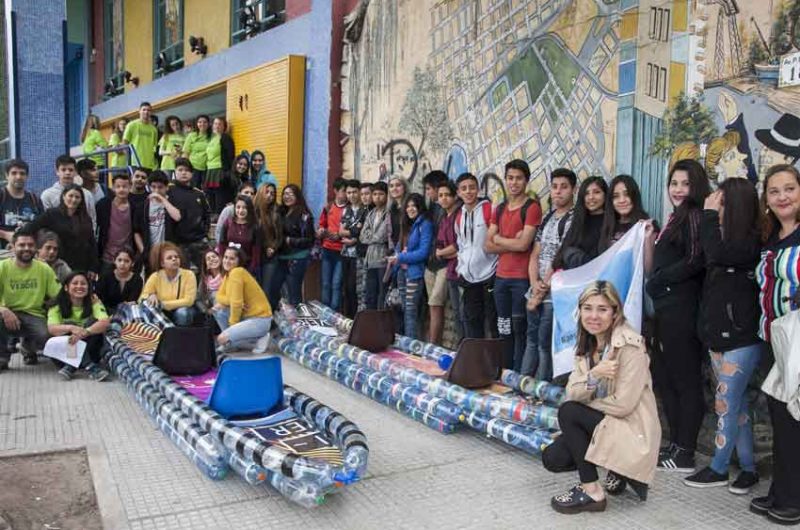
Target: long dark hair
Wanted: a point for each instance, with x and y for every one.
(769, 222)
(63, 301)
(236, 162)
(610, 215)
(300, 205)
(406, 223)
(208, 130)
(740, 220)
(82, 213)
(699, 188)
(168, 128)
(579, 217)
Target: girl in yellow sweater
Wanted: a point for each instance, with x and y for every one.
(241, 310)
(172, 288)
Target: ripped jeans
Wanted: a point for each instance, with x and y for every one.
(734, 425)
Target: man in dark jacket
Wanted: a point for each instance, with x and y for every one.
(115, 222)
(191, 231)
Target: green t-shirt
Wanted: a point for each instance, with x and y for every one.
(143, 137)
(116, 159)
(170, 143)
(25, 290)
(54, 317)
(93, 142)
(196, 146)
(214, 152)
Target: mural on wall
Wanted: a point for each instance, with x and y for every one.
(466, 85)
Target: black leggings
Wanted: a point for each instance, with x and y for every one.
(568, 451)
(677, 366)
(785, 487)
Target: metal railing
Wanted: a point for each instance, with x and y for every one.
(107, 170)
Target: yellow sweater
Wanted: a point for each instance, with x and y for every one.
(243, 295)
(172, 294)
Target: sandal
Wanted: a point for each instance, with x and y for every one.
(576, 501)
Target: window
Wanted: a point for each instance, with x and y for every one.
(662, 93)
(251, 17)
(113, 45)
(659, 24)
(656, 85)
(168, 36)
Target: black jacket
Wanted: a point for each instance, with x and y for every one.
(228, 151)
(107, 289)
(298, 231)
(78, 247)
(729, 309)
(195, 214)
(103, 209)
(678, 264)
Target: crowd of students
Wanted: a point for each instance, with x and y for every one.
(720, 271)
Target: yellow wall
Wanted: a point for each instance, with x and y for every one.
(210, 19)
(677, 79)
(679, 15)
(265, 110)
(138, 28)
(630, 25)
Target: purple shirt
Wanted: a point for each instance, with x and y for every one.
(446, 236)
(119, 232)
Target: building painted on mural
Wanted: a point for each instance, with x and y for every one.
(597, 86)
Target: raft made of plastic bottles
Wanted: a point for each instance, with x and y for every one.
(514, 409)
(442, 356)
(542, 390)
(522, 437)
(346, 373)
(237, 440)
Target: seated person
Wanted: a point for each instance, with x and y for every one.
(610, 418)
(48, 244)
(242, 309)
(121, 284)
(82, 316)
(25, 285)
(210, 280)
(172, 288)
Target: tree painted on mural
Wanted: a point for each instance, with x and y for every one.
(424, 113)
(687, 120)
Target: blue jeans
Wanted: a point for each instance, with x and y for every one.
(734, 425)
(292, 272)
(331, 279)
(244, 333)
(509, 298)
(538, 359)
(183, 316)
(411, 295)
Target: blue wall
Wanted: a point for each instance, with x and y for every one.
(308, 35)
(40, 82)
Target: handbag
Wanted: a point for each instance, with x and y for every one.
(393, 298)
(783, 380)
(477, 363)
(184, 350)
(373, 330)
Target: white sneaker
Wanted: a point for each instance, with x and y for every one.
(262, 344)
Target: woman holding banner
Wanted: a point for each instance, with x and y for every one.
(610, 417)
(580, 245)
(674, 286)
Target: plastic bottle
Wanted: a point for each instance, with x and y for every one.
(252, 473)
(212, 472)
(305, 495)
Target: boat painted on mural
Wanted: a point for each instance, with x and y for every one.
(410, 376)
(302, 448)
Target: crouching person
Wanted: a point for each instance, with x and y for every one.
(610, 418)
(242, 310)
(171, 287)
(25, 285)
(82, 316)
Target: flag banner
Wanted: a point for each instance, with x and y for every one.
(623, 266)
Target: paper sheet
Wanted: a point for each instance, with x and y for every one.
(60, 349)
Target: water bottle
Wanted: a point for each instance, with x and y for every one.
(251, 472)
(305, 495)
(212, 472)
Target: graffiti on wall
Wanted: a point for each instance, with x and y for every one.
(600, 86)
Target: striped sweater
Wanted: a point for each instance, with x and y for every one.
(778, 275)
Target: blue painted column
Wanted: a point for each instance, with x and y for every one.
(40, 129)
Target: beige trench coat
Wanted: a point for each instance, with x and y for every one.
(628, 438)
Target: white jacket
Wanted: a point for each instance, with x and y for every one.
(475, 265)
(783, 381)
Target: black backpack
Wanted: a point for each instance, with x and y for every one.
(562, 223)
(523, 212)
(185, 350)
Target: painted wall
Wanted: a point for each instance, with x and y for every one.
(463, 85)
(208, 19)
(39, 59)
(307, 35)
(138, 23)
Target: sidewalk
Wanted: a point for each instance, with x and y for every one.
(417, 478)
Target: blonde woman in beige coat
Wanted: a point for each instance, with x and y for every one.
(610, 417)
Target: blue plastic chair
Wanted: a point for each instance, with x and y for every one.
(248, 387)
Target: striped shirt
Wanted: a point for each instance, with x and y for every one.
(778, 275)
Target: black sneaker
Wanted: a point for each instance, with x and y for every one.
(706, 478)
(743, 483)
(761, 505)
(67, 372)
(666, 451)
(680, 460)
(96, 373)
(3, 364)
(576, 501)
(784, 516)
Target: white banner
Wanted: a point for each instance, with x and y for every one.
(623, 266)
